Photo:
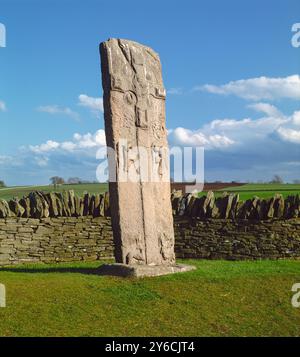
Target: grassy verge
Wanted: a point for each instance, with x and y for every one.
(220, 298)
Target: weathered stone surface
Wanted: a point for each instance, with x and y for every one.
(278, 206)
(16, 208)
(208, 204)
(292, 207)
(96, 212)
(78, 206)
(270, 208)
(234, 206)
(190, 204)
(175, 198)
(38, 205)
(106, 203)
(72, 202)
(228, 205)
(101, 207)
(92, 205)
(25, 203)
(134, 109)
(4, 209)
(53, 204)
(66, 205)
(140, 271)
(218, 208)
(86, 204)
(182, 205)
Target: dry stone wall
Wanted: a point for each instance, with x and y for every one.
(228, 206)
(237, 239)
(56, 204)
(61, 227)
(48, 240)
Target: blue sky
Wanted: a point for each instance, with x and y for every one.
(231, 74)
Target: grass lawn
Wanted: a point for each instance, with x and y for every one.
(261, 190)
(220, 298)
(20, 191)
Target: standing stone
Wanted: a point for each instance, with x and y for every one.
(25, 203)
(16, 207)
(139, 184)
(4, 209)
(96, 212)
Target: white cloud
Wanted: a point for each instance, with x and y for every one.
(266, 108)
(79, 143)
(296, 118)
(94, 104)
(247, 135)
(240, 149)
(2, 106)
(174, 91)
(50, 145)
(56, 109)
(247, 149)
(90, 140)
(182, 136)
(289, 134)
(245, 127)
(260, 88)
(68, 146)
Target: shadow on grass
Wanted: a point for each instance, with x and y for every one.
(87, 271)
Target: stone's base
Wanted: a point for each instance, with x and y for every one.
(139, 271)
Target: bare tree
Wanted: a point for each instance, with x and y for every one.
(56, 180)
(277, 179)
(74, 180)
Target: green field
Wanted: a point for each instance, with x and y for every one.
(220, 298)
(245, 191)
(248, 191)
(20, 191)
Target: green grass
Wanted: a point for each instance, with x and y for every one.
(220, 298)
(20, 191)
(261, 190)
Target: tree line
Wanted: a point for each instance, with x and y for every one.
(57, 180)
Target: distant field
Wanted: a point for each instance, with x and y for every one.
(261, 190)
(246, 191)
(20, 191)
(265, 187)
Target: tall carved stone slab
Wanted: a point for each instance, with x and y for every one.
(134, 111)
